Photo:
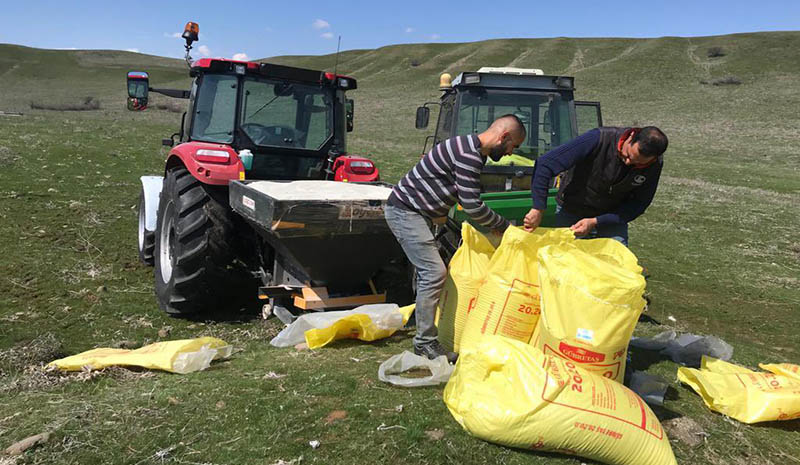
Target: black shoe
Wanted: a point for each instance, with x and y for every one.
(434, 350)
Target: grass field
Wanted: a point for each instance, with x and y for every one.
(720, 243)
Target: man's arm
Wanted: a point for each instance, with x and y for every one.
(468, 171)
(636, 203)
(548, 166)
(558, 160)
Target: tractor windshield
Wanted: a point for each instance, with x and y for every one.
(288, 115)
(545, 115)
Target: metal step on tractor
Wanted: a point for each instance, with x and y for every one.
(259, 196)
(547, 107)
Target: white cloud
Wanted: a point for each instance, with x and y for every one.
(320, 24)
(268, 29)
(241, 57)
(409, 30)
(435, 37)
(134, 50)
(327, 35)
(173, 35)
(204, 50)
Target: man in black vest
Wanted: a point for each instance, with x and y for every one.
(611, 176)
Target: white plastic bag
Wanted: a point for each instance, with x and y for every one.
(389, 370)
(188, 362)
(382, 318)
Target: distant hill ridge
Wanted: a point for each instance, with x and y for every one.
(668, 81)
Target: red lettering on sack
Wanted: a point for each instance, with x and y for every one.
(528, 310)
(579, 354)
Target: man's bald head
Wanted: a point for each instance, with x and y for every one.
(501, 138)
(509, 124)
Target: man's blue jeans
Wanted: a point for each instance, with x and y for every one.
(618, 232)
(413, 232)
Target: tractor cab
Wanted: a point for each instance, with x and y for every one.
(250, 120)
(545, 105)
(292, 120)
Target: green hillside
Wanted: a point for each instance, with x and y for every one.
(639, 81)
(720, 245)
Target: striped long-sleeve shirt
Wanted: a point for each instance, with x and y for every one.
(449, 173)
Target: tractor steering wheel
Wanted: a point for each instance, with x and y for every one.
(279, 135)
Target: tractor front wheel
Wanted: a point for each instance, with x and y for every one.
(195, 266)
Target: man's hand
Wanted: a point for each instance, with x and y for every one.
(584, 226)
(532, 219)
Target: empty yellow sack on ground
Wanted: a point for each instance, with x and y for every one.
(181, 356)
(508, 300)
(367, 323)
(746, 395)
(510, 393)
(590, 304)
(362, 326)
(466, 272)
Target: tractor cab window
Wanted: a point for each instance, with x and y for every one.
(284, 114)
(444, 128)
(215, 109)
(545, 115)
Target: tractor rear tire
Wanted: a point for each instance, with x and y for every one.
(147, 239)
(195, 263)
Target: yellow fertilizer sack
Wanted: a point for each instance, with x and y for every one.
(510, 393)
(181, 356)
(743, 394)
(366, 325)
(610, 250)
(783, 369)
(467, 270)
(590, 306)
(508, 300)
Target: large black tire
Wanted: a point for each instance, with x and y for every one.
(195, 266)
(147, 239)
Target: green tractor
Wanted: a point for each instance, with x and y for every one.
(545, 104)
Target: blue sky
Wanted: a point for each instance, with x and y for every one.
(261, 29)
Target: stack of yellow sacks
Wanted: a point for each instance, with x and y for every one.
(566, 310)
(576, 299)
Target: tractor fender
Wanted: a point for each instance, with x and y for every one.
(208, 169)
(151, 187)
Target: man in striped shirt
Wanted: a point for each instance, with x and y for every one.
(448, 174)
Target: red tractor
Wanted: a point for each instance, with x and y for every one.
(245, 121)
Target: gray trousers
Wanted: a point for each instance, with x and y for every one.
(413, 232)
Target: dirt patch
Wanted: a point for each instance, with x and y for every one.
(42, 350)
(685, 430)
(33, 378)
(86, 104)
(335, 416)
(434, 434)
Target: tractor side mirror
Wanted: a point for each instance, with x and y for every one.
(423, 115)
(349, 113)
(138, 90)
